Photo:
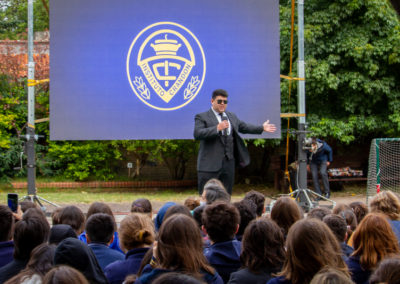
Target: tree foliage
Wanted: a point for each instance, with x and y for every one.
(14, 18)
(352, 50)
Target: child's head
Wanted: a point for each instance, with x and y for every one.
(221, 221)
(136, 230)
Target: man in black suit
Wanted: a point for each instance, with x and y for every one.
(221, 147)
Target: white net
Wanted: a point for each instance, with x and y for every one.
(383, 166)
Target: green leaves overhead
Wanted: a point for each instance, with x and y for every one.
(352, 67)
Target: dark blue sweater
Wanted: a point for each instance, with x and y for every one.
(118, 270)
(224, 257)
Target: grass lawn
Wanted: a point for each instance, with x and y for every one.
(121, 195)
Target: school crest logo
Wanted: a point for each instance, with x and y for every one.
(166, 66)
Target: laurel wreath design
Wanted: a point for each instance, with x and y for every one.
(142, 88)
(191, 87)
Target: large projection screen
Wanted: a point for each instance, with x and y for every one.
(142, 69)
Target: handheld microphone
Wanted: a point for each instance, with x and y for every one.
(225, 131)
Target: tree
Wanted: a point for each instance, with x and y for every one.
(14, 15)
(352, 67)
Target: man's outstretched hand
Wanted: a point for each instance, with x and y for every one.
(268, 127)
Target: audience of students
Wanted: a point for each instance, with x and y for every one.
(373, 240)
(209, 251)
(262, 254)
(136, 236)
(221, 222)
(179, 248)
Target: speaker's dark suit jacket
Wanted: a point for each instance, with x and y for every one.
(211, 152)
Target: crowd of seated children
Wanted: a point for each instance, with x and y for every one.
(203, 245)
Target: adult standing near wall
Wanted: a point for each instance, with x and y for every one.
(221, 147)
(320, 157)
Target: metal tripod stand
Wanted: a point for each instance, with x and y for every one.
(306, 198)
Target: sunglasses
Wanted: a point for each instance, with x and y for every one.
(222, 101)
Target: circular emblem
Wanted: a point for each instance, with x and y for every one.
(166, 66)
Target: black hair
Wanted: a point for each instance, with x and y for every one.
(219, 92)
(258, 199)
(100, 228)
(247, 211)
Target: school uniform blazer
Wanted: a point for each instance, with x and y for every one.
(211, 152)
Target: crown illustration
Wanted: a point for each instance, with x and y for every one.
(165, 46)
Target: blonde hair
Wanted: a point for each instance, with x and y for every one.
(388, 203)
(136, 230)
